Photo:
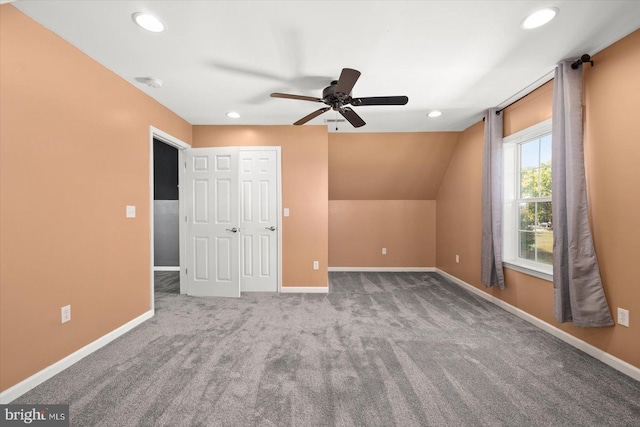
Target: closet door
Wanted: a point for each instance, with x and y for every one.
(258, 220)
(212, 232)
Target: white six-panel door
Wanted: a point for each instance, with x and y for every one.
(258, 222)
(212, 237)
(231, 234)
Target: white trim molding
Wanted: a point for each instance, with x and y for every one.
(166, 268)
(385, 269)
(304, 290)
(595, 352)
(38, 378)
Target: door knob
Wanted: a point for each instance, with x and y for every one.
(233, 230)
(272, 228)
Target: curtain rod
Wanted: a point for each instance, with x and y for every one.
(583, 59)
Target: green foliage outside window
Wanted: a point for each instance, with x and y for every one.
(535, 217)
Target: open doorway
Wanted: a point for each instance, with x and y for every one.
(166, 212)
(171, 272)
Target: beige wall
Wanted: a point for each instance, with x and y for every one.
(304, 191)
(388, 166)
(74, 151)
(359, 229)
(612, 153)
(382, 190)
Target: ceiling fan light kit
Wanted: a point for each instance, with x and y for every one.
(337, 97)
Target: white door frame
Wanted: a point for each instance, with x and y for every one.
(155, 133)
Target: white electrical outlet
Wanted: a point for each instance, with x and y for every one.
(131, 211)
(623, 317)
(384, 251)
(316, 265)
(65, 313)
(457, 259)
(286, 211)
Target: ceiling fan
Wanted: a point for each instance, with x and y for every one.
(338, 95)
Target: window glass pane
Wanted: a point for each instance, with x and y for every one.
(544, 245)
(529, 183)
(527, 216)
(545, 180)
(530, 154)
(527, 245)
(544, 215)
(545, 150)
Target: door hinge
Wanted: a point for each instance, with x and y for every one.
(185, 218)
(185, 165)
(186, 271)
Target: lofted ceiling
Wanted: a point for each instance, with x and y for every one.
(459, 57)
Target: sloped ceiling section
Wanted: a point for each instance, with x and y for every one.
(388, 166)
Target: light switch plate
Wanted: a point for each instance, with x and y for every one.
(65, 313)
(131, 211)
(286, 211)
(316, 265)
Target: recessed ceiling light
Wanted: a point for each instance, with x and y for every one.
(539, 18)
(148, 22)
(435, 113)
(233, 115)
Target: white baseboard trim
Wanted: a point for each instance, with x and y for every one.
(38, 378)
(304, 289)
(161, 268)
(385, 269)
(595, 352)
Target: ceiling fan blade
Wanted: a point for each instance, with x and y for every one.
(347, 80)
(352, 117)
(313, 115)
(299, 97)
(380, 100)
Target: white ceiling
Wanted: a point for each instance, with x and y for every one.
(460, 57)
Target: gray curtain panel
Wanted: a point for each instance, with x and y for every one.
(491, 273)
(578, 292)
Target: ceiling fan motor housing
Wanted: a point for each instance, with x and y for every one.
(333, 99)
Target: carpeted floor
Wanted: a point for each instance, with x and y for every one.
(381, 349)
(166, 282)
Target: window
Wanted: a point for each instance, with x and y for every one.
(527, 234)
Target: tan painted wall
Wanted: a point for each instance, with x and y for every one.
(612, 153)
(382, 188)
(74, 151)
(388, 166)
(304, 191)
(359, 229)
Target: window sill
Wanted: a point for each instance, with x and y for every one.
(528, 270)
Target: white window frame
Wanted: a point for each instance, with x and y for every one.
(510, 218)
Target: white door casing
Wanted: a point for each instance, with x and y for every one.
(212, 222)
(258, 221)
(232, 220)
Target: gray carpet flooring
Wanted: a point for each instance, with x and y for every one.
(381, 349)
(166, 282)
